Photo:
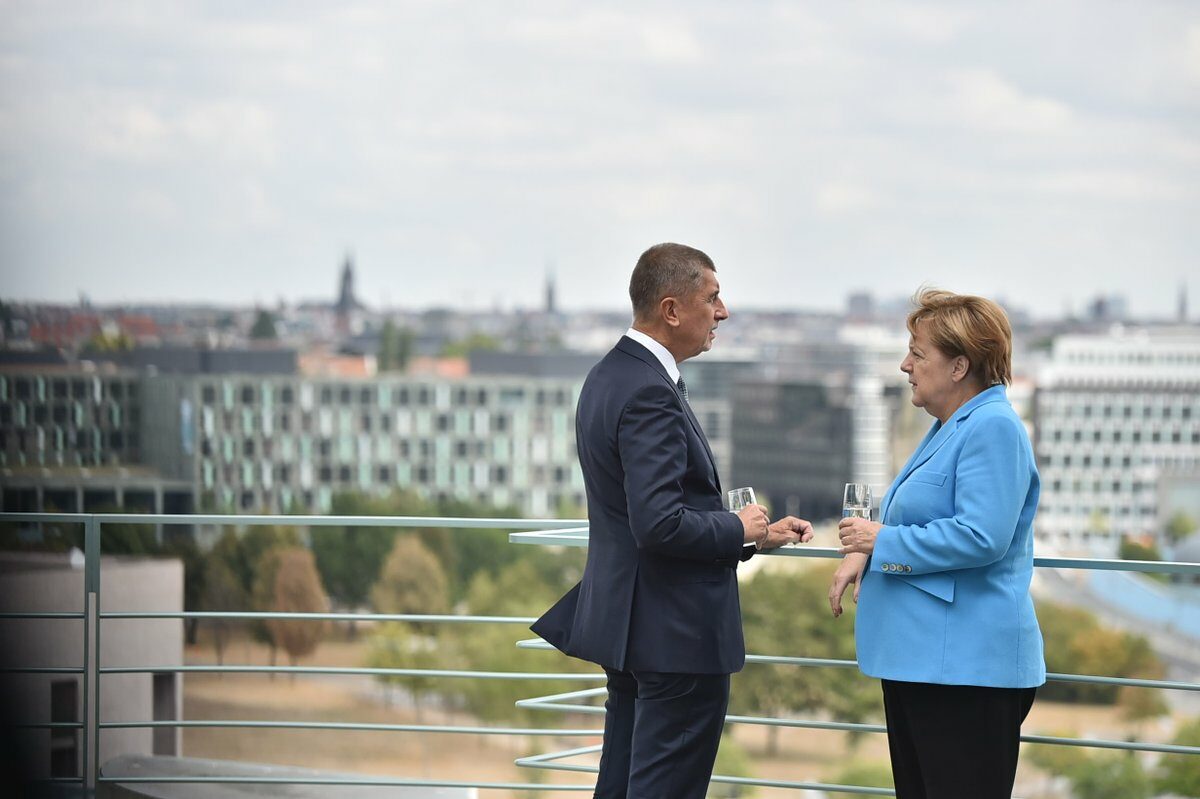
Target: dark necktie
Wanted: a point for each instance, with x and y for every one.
(682, 387)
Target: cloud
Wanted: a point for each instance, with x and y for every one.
(983, 99)
(842, 197)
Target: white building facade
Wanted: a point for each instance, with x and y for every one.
(1114, 416)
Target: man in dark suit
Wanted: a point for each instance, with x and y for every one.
(658, 603)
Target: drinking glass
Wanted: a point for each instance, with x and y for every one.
(739, 498)
(856, 501)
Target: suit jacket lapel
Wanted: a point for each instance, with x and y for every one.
(631, 347)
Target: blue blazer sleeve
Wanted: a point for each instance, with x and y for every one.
(652, 441)
(990, 482)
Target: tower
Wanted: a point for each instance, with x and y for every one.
(551, 300)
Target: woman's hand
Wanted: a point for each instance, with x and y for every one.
(848, 571)
(858, 535)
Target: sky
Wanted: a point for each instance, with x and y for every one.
(1038, 152)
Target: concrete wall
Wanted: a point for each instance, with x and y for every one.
(40, 583)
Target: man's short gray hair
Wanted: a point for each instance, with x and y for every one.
(665, 270)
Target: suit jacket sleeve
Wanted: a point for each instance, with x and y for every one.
(653, 445)
(991, 480)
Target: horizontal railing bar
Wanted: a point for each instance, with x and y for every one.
(567, 538)
(487, 675)
(1100, 564)
(353, 726)
(842, 726)
(53, 614)
(543, 758)
(584, 694)
(1087, 679)
(1129, 746)
(44, 725)
(235, 615)
(467, 522)
(544, 762)
(64, 518)
(380, 782)
(41, 670)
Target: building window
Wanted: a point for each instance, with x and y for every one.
(365, 396)
(64, 743)
(344, 474)
(286, 395)
(247, 395)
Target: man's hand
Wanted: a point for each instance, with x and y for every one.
(858, 535)
(788, 530)
(754, 523)
(849, 571)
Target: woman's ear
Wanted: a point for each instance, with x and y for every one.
(960, 369)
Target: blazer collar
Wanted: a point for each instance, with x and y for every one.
(939, 434)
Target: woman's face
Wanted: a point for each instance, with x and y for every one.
(933, 376)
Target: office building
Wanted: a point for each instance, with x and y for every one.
(1117, 421)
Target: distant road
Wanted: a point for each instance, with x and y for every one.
(1126, 608)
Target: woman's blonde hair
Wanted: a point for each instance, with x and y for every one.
(974, 327)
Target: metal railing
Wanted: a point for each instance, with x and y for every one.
(539, 532)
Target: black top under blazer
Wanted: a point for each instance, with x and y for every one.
(659, 592)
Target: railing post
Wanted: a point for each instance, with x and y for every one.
(91, 642)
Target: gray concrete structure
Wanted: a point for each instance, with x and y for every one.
(40, 582)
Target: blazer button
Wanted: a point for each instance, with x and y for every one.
(908, 568)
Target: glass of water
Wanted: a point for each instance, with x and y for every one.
(856, 501)
(739, 498)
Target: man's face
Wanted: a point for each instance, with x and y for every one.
(699, 314)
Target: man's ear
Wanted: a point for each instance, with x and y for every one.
(668, 308)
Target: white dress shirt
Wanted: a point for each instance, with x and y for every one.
(662, 353)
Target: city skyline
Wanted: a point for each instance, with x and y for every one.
(213, 153)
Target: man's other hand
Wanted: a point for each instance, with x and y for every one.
(788, 530)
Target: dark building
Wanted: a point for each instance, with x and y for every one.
(197, 360)
(524, 364)
(792, 441)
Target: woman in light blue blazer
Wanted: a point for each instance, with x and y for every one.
(944, 618)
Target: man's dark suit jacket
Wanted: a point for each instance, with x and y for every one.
(659, 592)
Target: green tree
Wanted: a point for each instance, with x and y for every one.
(395, 347)
(1076, 643)
(1180, 526)
(350, 558)
(223, 593)
(297, 590)
(518, 590)
(109, 342)
(784, 613)
(732, 761)
(1130, 549)
(871, 774)
(263, 328)
(412, 580)
(397, 645)
(472, 343)
(1180, 774)
(244, 554)
(1111, 777)
(195, 568)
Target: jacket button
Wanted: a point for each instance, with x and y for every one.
(908, 568)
